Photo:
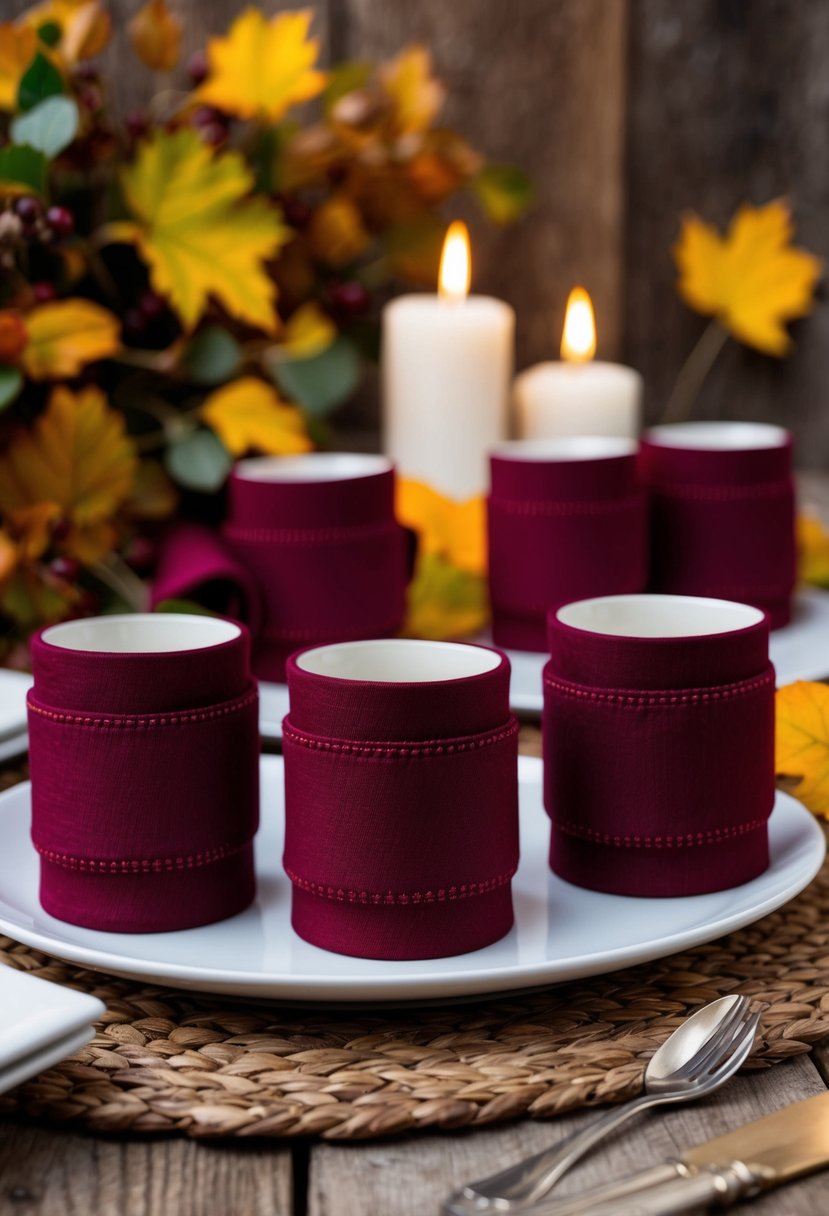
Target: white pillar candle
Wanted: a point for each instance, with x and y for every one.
(447, 366)
(578, 396)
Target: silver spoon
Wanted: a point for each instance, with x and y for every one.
(696, 1059)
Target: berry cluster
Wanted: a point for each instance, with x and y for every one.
(47, 225)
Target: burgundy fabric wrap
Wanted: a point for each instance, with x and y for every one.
(723, 524)
(145, 794)
(194, 563)
(401, 833)
(659, 760)
(560, 530)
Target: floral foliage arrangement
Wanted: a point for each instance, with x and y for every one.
(196, 282)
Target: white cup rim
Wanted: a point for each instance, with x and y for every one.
(658, 616)
(566, 448)
(311, 467)
(718, 436)
(399, 661)
(141, 633)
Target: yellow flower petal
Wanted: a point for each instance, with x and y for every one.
(155, 34)
(455, 531)
(198, 232)
(263, 67)
(66, 335)
(753, 280)
(802, 742)
(250, 415)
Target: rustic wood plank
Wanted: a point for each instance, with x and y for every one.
(538, 84)
(55, 1173)
(410, 1177)
(728, 101)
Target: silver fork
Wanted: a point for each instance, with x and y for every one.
(699, 1056)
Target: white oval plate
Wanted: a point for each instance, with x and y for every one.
(13, 688)
(562, 932)
(799, 652)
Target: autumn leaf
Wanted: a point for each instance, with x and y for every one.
(812, 550)
(802, 742)
(8, 557)
(416, 95)
(261, 66)
(753, 279)
(198, 232)
(86, 26)
(77, 457)
(336, 233)
(308, 332)
(155, 34)
(18, 44)
(445, 602)
(454, 531)
(250, 415)
(66, 335)
(13, 335)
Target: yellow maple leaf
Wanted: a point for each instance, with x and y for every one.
(261, 66)
(250, 415)
(198, 232)
(454, 531)
(308, 332)
(812, 550)
(416, 95)
(65, 335)
(802, 742)
(155, 34)
(18, 44)
(753, 279)
(445, 602)
(78, 457)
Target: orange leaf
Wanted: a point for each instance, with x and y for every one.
(66, 335)
(155, 34)
(802, 742)
(18, 44)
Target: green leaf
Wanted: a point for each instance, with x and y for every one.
(211, 357)
(40, 80)
(49, 127)
(344, 79)
(23, 166)
(504, 192)
(49, 33)
(11, 382)
(188, 606)
(198, 462)
(320, 383)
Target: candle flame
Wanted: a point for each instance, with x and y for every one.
(455, 264)
(578, 341)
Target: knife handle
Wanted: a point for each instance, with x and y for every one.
(712, 1186)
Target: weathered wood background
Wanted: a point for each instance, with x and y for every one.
(625, 113)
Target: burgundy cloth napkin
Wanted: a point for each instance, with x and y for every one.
(145, 784)
(560, 530)
(659, 759)
(723, 523)
(401, 832)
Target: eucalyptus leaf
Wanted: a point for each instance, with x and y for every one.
(211, 357)
(504, 192)
(322, 382)
(198, 462)
(23, 166)
(40, 80)
(11, 382)
(49, 127)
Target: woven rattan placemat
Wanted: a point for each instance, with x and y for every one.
(178, 1062)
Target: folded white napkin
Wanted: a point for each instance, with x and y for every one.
(40, 1024)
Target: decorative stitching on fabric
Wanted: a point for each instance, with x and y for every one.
(147, 721)
(394, 751)
(689, 840)
(633, 699)
(144, 865)
(550, 508)
(439, 895)
(703, 493)
(272, 633)
(309, 536)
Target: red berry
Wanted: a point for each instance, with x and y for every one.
(60, 222)
(350, 298)
(152, 306)
(197, 67)
(297, 212)
(61, 530)
(87, 72)
(205, 116)
(44, 292)
(91, 98)
(137, 124)
(135, 323)
(28, 209)
(65, 568)
(214, 134)
(141, 554)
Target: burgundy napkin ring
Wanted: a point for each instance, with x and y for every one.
(659, 750)
(723, 513)
(144, 821)
(566, 520)
(396, 846)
